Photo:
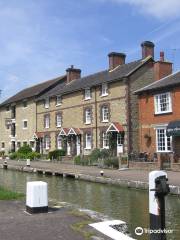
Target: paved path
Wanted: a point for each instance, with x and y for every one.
(15, 224)
(130, 174)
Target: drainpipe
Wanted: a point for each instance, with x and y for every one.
(96, 122)
(128, 117)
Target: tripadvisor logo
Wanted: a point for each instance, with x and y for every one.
(140, 231)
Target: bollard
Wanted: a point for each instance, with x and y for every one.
(158, 189)
(102, 173)
(28, 162)
(36, 197)
(5, 165)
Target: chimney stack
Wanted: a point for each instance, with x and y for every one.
(147, 49)
(73, 73)
(162, 68)
(116, 59)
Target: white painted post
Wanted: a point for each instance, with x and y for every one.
(158, 189)
(37, 197)
(28, 162)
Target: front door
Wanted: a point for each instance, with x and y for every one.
(120, 140)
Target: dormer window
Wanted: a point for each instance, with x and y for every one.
(104, 90)
(58, 100)
(87, 94)
(46, 103)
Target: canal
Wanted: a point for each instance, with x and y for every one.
(117, 203)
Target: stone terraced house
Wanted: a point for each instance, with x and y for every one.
(82, 113)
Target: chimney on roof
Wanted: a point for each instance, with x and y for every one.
(147, 49)
(162, 68)
(73, 73)
(116, 59)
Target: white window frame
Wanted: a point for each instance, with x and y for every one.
(105, 140)
(87, 94)
(47, 142)
(88, 116)
(46, 102)
(104, 89)
(88, 141)
(157, 103)
(58, 101)
(166, 139)
(59, 142)
(105, 115)
(47, 121)
(25, 120)
(59, 120)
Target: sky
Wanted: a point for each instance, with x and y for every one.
(40, 39)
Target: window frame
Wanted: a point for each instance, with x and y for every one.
(45, 123)
(88, 110)
(2, 145)
(58, 103)
(88, 139)
(46, 102)
(25, 104)
(57, 116)
(166, 140)
(103, 113)
(59, 146)
(104, 90)
(25, 120)
(47, 143)
(105, 140)
(87, 96)
(157, 103)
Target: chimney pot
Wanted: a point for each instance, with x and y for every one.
(116, 59)
(147, 49)
(162, 56)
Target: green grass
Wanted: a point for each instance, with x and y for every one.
(6, 194)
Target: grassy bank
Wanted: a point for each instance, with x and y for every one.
(6, 194)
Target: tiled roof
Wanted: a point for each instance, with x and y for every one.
(33, 91)
(169, 81)
(97, 78)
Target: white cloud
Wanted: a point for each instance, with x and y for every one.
(161, 9)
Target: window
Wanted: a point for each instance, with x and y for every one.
(88, 140)
(18, 145)
(25, 124)
(32, 144)
(2, 145)
(59, 142)
(120, 138)
(88, 116)
(163, 103)
(163, 143)
(104, 89)
(47, 142)
(105, 137)
(7, 108)
(58, 100)
(46, 121)
(24, 104)
(105, 114)
(58, 120)
(87, 94)
(46, 103)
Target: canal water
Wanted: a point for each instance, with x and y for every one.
(125, 204)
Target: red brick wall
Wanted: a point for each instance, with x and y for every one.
(147, 118)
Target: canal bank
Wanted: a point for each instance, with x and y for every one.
(125, 178)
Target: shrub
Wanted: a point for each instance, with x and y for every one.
(112, 162)
(77, 160)
(25, 149)
(57, 154)
(13, 155)
(105, 153)
(95, 155)
(33, 155)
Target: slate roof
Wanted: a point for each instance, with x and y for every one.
(96, 79)
(33, 91)
(169, 81)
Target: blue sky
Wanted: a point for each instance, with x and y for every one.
(39, 39)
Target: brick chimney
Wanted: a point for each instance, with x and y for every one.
(147, 49)
(73, 73)
(162, 68)
(116, 59)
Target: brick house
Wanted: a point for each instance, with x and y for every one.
(18, 116)
(96, 111)
(159, 117)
